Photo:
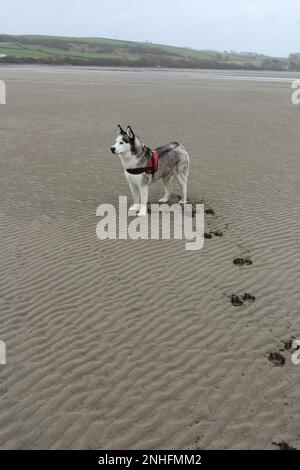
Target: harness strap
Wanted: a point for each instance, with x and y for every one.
(150, 169)
(136, 171)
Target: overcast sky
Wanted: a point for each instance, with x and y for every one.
(268, 26)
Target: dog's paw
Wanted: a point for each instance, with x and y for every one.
(134, 208)
(142, 212)
(163, 199)
(182, 201)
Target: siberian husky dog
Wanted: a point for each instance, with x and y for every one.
(143, 166)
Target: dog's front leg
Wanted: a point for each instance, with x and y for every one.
(144, 200)
(135, 195)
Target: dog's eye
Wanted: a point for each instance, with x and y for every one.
(121, 143)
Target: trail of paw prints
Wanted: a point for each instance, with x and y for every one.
(216, 233)
(239, 300)
(214, 228)
(245, 261)
(278, 358)
(244, 258)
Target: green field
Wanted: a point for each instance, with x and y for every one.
(100, 51)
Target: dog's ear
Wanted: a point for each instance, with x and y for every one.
(130, 132)
(121, 131)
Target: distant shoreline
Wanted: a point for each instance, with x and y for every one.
(6, 60)
(205, 74)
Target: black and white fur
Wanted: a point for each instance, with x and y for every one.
(173, 161)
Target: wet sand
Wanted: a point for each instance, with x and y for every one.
(140, 344)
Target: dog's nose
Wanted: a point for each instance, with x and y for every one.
(112, 149)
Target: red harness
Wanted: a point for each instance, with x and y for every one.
(150, 169)
(153, 164)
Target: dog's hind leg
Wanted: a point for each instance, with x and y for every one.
(168, 189)
(181, 174)
(182, 180)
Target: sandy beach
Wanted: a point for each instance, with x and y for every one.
(122, 344)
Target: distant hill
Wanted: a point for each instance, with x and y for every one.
(110, 52)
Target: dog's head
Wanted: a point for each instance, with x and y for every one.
(127, 142)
